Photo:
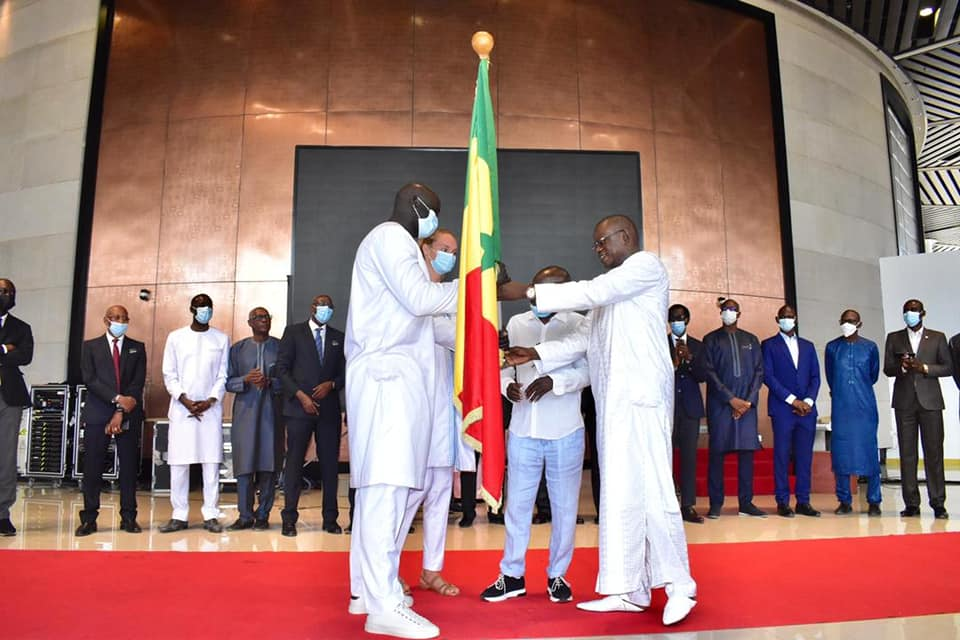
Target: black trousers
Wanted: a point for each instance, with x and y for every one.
(686, 433)
(589, 410)
(327, 435)
(911, 422)
(95, 442)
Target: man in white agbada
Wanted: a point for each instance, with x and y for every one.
(390, 388)
(195, 374)
(642, 542)
(448, 450)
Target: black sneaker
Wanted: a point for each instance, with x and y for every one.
(505, 587)
(559, 590)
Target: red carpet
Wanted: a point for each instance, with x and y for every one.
(78, 594)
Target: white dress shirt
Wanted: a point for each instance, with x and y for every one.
(3, 321)
(793, 345)
(557, 413)
(914, 337)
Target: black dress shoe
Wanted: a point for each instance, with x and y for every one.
(289, 529)
(806, 509)
(751, 509)
(86, 528)
(348, 529)
(240, 524)
(596, 520)
(130, 526)
(910, 512)
(494, 518)
(843, 509)
(456, 505)
(689, 514)
(212, 525)
(174, 525)
(579, 519)
(784, 510)
(873, 510)
(6, 528)
(542, 518)
(940, 513)
(261, 524)
(465, 521)
(332, 527)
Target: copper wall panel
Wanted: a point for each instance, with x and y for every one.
(172, 312)
(198, 229)
(682, 35)
(442, 53)
(438, 129)
(602, 137)
(536, 56)
(690, 195)
(210, 50)
(613, 54)
(266, 188)
(751, 212)
(741, 83)
(289, 57)
(525, 132)
(140, 73)
(371, 57)
(126, 221)
(373, 128)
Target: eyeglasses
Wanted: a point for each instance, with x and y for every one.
(261, 316)
(602, 242)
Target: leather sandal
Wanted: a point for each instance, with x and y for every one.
(435, 582)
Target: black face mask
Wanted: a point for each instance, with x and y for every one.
(7, 301)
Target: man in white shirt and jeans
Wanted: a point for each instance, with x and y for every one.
(546, 431)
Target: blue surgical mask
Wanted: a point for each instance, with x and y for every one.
(678, 327)
(118, 329)
(428, 225)
(540, 314)
(444, 262)
(912, 318)
(323, 314)
(203, 314)
(787, 324)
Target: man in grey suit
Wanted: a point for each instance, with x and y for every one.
(917, 357)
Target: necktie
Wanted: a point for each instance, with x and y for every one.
(318, 340)
(116, 362)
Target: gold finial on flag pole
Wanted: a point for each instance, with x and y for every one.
(482, 43)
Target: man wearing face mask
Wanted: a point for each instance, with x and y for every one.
(917, 357)
(195, 374)
(791, 372)
(16, 350)
(687, 407)
(546, 435)
(391, 399)
(732, 365)
(852, 365)
(114, 368)
(311, 368)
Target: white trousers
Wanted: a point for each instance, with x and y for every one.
(180, 490)
(435, 497)
(375, 546)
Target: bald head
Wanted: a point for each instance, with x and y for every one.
(551, 274)
(412, 202)
(615, 239)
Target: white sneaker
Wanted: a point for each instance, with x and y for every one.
(402, 622)
(610, 603)
(678, 607)
(358, 607)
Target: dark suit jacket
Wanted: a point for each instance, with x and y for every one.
(688, 402)
(955, 356)
(16, 332)
(933, 352)
(96, 368)
(784, 380)
(299, 369)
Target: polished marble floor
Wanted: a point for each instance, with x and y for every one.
(46, 517)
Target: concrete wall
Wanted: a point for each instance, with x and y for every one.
(46, 65)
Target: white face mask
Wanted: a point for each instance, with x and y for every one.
(728, 316)
(848, 329)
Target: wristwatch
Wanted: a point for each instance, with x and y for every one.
(531, 293)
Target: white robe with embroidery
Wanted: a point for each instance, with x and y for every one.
(642, 542)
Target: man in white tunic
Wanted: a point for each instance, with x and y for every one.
(390, 388)
(448, 450)
(642, 542)
(195, 374)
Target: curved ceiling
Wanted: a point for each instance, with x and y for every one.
(928, 50)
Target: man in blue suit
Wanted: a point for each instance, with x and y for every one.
(792, 375)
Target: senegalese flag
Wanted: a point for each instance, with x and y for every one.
(477, 362)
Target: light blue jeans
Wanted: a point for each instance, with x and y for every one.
(526, 459)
